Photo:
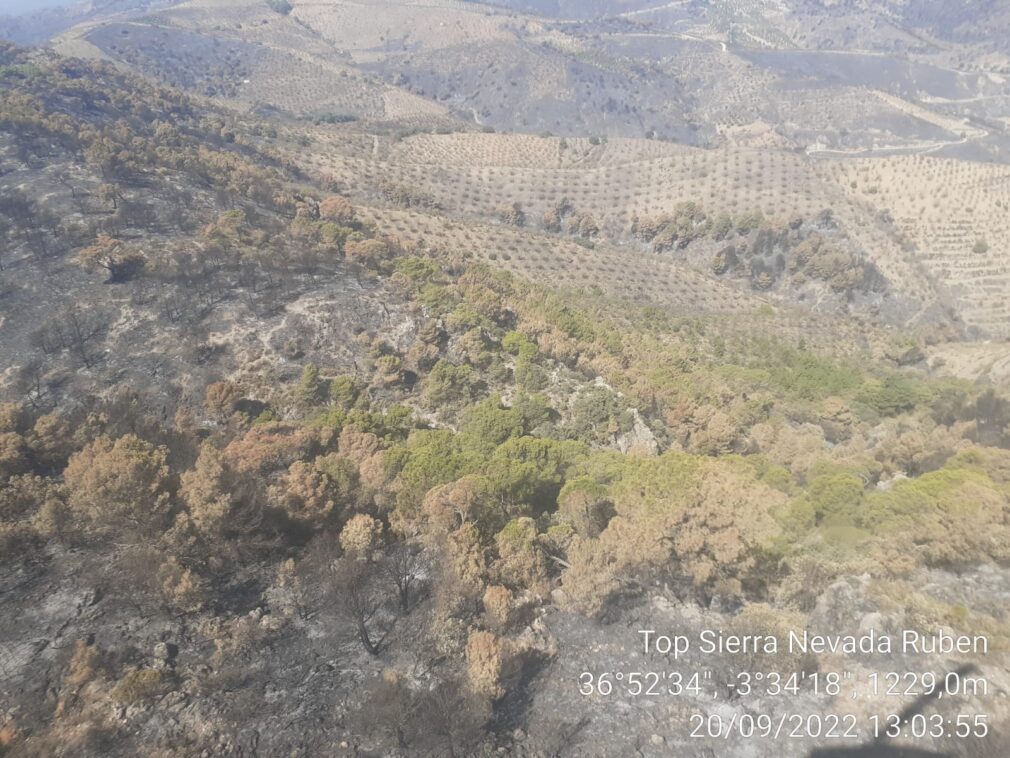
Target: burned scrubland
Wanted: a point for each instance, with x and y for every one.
(316, 464)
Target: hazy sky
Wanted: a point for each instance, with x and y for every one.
(13, 7)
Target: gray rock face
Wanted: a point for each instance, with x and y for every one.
(640, 438)
(842, 605)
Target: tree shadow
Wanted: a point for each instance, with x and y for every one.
(510, 713)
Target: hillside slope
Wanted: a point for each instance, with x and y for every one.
(323, 436)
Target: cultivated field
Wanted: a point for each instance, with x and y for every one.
(954, 213)
(474, 176)
(645, 279)
(244, 53)
(368, 29)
